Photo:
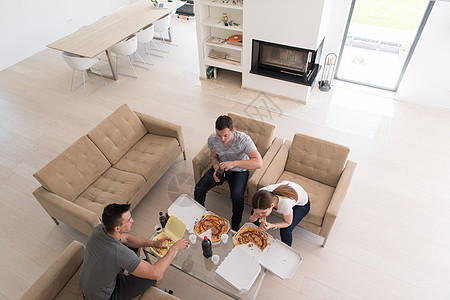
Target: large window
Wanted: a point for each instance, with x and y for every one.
(379, 40)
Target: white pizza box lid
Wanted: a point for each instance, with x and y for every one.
(280, 259)
(277, 257)
(239, 269)
(187, 210)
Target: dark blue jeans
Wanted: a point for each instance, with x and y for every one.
(130, 286)
(237, 182)
(299, 213)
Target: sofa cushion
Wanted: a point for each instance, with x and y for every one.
(260, 132)
(71, 172)
(316, 159)
(72, 289)
(118, 133)
(146, 157)
(113, 186)
(319, 196)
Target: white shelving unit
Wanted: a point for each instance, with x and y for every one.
(208, 14)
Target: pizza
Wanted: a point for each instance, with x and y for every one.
(263, 220)
(249, 234)
(218, 226)
(161, 252)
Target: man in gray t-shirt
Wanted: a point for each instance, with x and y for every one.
(109, 252)
(234, 153)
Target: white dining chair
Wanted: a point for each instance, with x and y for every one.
(82, 64)
(162, 27)
(145, 37)
(127, 48)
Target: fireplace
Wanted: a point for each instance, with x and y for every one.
(283, 62)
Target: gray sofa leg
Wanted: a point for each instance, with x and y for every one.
(56, 221)
(324, 242)
(184, 155)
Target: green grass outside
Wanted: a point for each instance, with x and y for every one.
(394, 14)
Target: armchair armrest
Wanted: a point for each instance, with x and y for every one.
(71, 214)
(55, 278)
(337, 199)
(253, 182)
(164, 128)
(276, 167)
(201, 162)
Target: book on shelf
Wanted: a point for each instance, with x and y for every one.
(237, 44)
(216, 40)
(217, 54)
(227, 61)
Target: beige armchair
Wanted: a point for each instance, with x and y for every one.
(322, 169)
(60, 280)
(262, 135)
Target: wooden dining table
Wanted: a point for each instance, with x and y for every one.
(100, 36)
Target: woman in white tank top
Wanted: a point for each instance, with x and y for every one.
(288, 199)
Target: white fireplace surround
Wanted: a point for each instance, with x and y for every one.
(302, 25)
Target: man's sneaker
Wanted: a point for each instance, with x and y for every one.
(168, 291)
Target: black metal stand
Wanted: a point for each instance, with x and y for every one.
(328, 72)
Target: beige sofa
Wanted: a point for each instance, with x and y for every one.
(262, 134)
(118, 161)
(60, 280)
(322, 169)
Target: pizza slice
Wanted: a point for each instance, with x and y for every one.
(263, 220)
(161, 252)
(249, 234)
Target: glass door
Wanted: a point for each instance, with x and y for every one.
(379, 40)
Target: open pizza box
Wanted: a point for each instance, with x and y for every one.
(175, 229)
(277, 257)
(190, 212)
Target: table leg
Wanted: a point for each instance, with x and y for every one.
(259, 284)
(111, 64)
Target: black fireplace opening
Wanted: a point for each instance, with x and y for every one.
(284, 62)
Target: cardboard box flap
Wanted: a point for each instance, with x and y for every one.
(187, 210)
(239, 269)
(175, 228)
(280, 259)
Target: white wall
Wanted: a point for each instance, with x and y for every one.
(297, 23)
(336, 27)
(26, 27)
(427, 78)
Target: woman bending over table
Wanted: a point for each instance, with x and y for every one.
(287, 198)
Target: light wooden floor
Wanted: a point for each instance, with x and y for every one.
(390, 241)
